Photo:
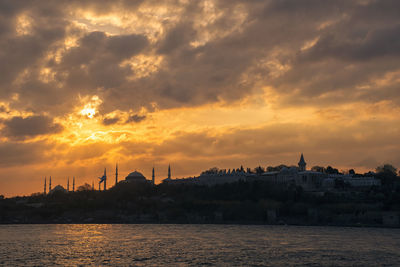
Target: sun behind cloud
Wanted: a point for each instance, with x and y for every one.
(90, 109)
(88, 112)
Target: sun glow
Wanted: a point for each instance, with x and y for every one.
(88, 112)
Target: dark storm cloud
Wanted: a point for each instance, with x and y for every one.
(21, 52)
(110, 121)
(19, 127)
(369, 45)
(100, 55)
(178, 36)
(213, 71)
(135, 118)
(352, 51)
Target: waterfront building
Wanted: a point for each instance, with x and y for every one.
(297, 176)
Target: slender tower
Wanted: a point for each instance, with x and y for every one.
(68, 184)
(73, 184)
(105, 179)
(116, 174)
(92, 186)
(44, 191)
(50, 184)
(169, 171)
(152, 177)
(302, 163)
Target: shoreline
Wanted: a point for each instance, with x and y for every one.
(205, 223)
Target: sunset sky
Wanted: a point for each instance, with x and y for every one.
(197, 84)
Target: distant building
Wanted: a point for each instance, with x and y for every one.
(316, 181)
(210, 178)
(136, 177)
(298, 176)
(57, 188)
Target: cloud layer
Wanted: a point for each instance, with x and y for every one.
(105, 76)
(19, 127)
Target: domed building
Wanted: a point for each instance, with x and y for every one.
(136, 177)
(57, 188)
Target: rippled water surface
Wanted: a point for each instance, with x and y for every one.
(182, 245)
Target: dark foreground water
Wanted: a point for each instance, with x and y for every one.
(182, 245)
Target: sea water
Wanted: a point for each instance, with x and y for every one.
(194, 245)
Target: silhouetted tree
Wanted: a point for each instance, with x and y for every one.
(352, 172)
(85, 187)
(259, 170)
(280, 167)
(386, 168)
(211, 171)
(331, 170)
(271, 169)
(387, 173)
(276, 168)
(317, 169)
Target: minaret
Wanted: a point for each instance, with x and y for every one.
(50, 184)
(152, 177)
(105, 180)
(44, 191)
(73, 184)
(302, 163)
(92, 186)
(68, 184)
(169, 171)
(116, 174)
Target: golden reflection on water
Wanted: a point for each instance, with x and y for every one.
(86, 230)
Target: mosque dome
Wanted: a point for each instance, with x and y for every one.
(58, 188)
(135, 177)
